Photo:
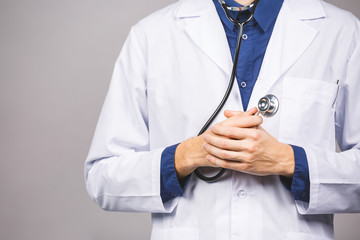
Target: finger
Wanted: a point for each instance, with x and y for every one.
(243, 121)
(223, 154)
(230, 113)
(225, 143)
(234, 132)
(237, 166)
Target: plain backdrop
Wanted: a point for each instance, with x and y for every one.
(56, 60)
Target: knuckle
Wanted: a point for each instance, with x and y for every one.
(215, 128)
(249, 158)
(224, 144)
(223, 155)
(245, 167)
(225, 164)
(256, 135)
(206, 135)
(251, 148)
(208, 147)
(218, 128)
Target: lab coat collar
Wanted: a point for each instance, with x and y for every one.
(192, 8)
(307, 9)
(203, 26)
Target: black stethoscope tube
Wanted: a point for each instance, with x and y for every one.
(230, 86)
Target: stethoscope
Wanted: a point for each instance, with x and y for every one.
(267, 105)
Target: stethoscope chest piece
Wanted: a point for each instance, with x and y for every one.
(268, 105)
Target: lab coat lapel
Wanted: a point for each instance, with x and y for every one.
(291, 37)
(203, 26)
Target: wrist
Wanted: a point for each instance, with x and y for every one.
(183, 166)
(288, 163)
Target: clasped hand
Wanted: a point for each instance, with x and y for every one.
(241, 144)
(238, 143)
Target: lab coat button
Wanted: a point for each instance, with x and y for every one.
(243, 84)
(242, 194)
(245, 36)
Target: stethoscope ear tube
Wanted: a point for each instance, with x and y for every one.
(230, 86)
(220, 106)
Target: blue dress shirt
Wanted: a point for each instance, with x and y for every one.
(256, 37)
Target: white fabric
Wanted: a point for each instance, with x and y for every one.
(170, 76)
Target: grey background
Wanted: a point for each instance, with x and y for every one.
(56, 60)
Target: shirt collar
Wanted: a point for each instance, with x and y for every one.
(266, 11)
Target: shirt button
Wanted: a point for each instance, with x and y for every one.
(242, 194)
(243, 84)
(245, 36)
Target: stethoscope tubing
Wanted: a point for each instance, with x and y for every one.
(230, 85)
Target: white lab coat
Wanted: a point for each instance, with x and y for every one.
(170, 76)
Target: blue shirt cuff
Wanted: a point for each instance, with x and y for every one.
(170, 185)
(299, 184)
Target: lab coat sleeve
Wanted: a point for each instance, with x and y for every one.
(335, 177)
(121, 172)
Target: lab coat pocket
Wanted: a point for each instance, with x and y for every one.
(307, 112)
(303, 236)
